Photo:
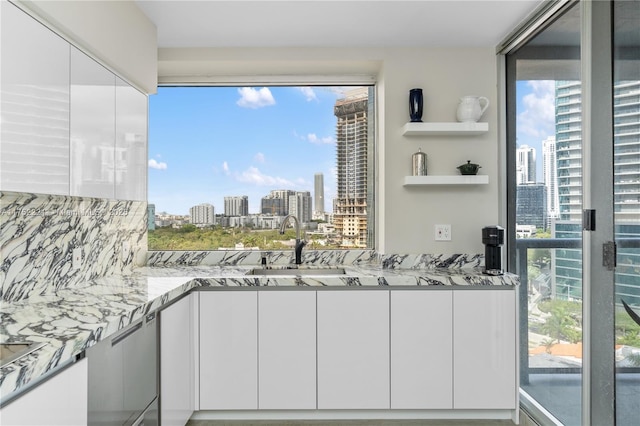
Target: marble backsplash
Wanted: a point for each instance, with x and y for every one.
(315, 257)
(38, 234)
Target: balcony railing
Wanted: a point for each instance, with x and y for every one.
(522, 248)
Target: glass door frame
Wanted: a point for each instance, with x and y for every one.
(598, 289)
(598, 386)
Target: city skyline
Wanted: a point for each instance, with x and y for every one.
(250, 140)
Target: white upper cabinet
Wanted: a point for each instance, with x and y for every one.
(131, 143)
(69, 125)
(93, 119)
(34, 140)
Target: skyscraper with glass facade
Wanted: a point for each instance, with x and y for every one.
(567, 263)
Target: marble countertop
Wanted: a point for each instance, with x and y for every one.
(73, 319)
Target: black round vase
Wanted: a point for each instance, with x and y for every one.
(415, 105)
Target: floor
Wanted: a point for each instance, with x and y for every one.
(353, 423)
(561, 395)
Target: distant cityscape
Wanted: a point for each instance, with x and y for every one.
(345, 223)
(554, 205)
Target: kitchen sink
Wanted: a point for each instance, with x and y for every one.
(297, 271)
(10, 352)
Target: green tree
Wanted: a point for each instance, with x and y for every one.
(564, 320)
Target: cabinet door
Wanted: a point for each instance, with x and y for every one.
(93, 120)
(59, 401)
(353, 349)
(177, 367)
(484, 347)
(421, 349)
(229, 350)
(287, 350)
(34, 96)
(131, 143)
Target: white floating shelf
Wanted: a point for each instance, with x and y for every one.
(435, 129)
(446, 180)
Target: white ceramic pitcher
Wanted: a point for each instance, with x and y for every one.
(471, 108)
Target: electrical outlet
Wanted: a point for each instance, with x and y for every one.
(443, 232)
(76, 261)
(126, 250)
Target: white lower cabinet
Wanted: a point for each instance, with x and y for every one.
(353, 349)
(484, 349)
(421, 349)
(229, 350)
(177, 345)
(287, 350)
(62, 400)
(426, 349)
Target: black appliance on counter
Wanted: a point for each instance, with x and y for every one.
(493, 239)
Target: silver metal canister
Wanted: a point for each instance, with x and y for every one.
(419, 163)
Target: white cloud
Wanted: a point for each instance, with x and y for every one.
(225, 168)
(309, 93)
(254, 176)
(313, 138)
(538, 116)
(153, 164)
(259, 158)
(252, 98)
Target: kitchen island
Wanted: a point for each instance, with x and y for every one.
(74, 319)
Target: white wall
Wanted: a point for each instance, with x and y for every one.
(408, 214)
(405, 216)
(116, 33)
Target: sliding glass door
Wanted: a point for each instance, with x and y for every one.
(573, 161)
(545, 137)
(626, 146)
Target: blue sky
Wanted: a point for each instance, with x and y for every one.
(535, 115)
(206, 143)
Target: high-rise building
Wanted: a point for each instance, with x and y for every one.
(550, 174)
(151, 217)
(276, 203)
(202, 214)
(318, 193)
(531, 205)
(526, 165)
(236, 205)
(352, 135)
(626, 184)
(300, 206)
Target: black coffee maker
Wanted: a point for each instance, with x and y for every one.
(493, 239)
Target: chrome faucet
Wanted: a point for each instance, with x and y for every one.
(299, 242)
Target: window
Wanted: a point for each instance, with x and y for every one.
(228, 164)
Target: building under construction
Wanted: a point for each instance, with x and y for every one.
(352, 135)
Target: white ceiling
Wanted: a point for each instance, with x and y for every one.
(332, 23)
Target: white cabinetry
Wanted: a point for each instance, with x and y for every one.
(177, 346)
(287, 350)
(421, 349)
(59, 401)
(484, 349)
(229, 350)
(34, 94)
(93, 119)
(68, 128)
(353, 349)
(131, 143)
